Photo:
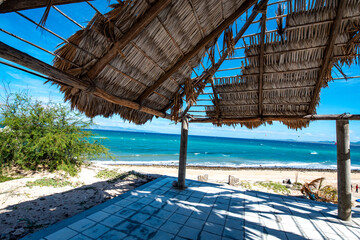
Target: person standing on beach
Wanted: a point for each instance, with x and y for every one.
(357, 188)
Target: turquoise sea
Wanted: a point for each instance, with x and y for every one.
(156, 148)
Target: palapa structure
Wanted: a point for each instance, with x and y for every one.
(147, 58)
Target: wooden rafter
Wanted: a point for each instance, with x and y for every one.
(128, 36)
(63, 78)
(327, 60)
(205, 41)
(18, 5)
(216, 100)
(261, 61)
(211, 71)
(280, 118)
(135, 46)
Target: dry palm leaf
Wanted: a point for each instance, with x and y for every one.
(46, 13)
(189, 91)
(279, 22)
(229, 42)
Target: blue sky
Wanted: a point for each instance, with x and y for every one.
(341, 96)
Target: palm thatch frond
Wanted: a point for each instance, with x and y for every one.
(279, 21)
(46, 12)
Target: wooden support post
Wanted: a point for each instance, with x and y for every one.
(183, 152)
(343, 169)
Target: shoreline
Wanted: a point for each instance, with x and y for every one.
(226, 168)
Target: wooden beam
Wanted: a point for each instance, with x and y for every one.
(280, 118)
(18, 5)
(200, 45)
(327, 60)
(128, 36)
(261, 62)
(61, 77)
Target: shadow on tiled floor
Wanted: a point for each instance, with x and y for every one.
(204, 211)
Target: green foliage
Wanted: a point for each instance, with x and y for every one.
(276, 187)
(328, 194)
(113, 175)
(107, 174)
(245, 184)
(297, 186)
(6, 178)
(50, 182)
(44, 135)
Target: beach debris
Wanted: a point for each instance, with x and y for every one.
(316, 192)
(203, 178)
(233, 181)
(287, 181)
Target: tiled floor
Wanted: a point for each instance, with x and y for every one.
(204, 211)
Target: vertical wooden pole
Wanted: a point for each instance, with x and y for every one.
(343, 169)
(183, 152)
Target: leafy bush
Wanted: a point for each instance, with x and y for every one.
(245, 184)
(113, 175)
(276, 187)
(6, 178)
(44, 135)
(50, 182)
(108, 174)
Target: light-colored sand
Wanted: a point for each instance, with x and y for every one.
(252, 175)
(23, 208)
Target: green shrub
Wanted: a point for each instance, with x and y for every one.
(108, 174)
(50, 182)
(6, 178)
(44, 135)
(245, 184)
(113, 175)
(276, 187)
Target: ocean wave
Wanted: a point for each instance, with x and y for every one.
(314, 153)
(226, 164)
(196, 154)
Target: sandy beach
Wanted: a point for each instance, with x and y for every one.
(26, 209)
(220, 175)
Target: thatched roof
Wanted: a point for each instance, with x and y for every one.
(293, 59)
(164, 41)
(142, 59)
